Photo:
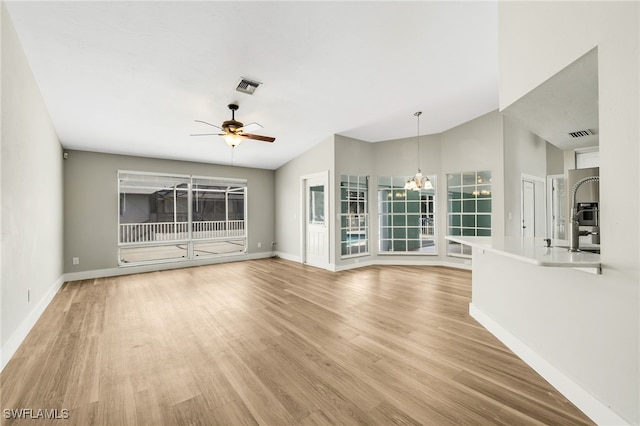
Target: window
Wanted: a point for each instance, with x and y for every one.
(407, 219)
(354, 215)
(316, 205)
(469, 208)
(172, 217)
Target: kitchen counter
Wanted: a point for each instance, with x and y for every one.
(534, 251)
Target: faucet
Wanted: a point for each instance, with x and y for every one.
(574, 224)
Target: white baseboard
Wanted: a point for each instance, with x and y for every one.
(348, 266)
(456, 265)
(287, 256)
(587, 403)
(127, 270)
(415, 262)
(13, 343)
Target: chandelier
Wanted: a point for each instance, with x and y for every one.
(418, 182)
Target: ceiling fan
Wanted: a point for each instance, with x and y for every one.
(234, 131)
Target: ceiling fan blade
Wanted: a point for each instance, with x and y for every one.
(258, 137)
(213, 125)
(250, 127)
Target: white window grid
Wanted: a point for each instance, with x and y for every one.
(354, 215)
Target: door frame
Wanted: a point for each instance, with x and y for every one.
(303, 215)
(540, 212)
(550, 196)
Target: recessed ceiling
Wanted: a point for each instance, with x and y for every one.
(131, 77)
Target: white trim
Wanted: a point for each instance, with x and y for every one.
(464, 266)
(13, 343)
(397, 262)
(290, 257)
(113, 272)
(536, 181)
(549, 213)
(180, 175)
(348, 266)
(587, 403)
(303, 214)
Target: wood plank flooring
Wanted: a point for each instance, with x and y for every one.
(274, 342)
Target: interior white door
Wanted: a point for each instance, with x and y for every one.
(528, 208)
(557, 206)
(317, 234)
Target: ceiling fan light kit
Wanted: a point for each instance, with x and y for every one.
(418, 182)
(232, 140)
(234, 132)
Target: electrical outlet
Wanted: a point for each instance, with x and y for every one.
(28, 295)
(259, 244)
(76, 261)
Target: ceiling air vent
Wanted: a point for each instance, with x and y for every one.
(247, 86)
(581, 133)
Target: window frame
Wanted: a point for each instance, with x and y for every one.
(387, 214)
(185, 237)
(463, 213)
(346, 218)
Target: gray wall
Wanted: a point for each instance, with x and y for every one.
(400, 158)
(604, 360)
(555, 160)
(287, 196)
(524, 152)
(355, 157)
(91, 205)
(478, 145)
(475, 145)
(31, 191)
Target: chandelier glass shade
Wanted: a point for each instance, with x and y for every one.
(418, 182)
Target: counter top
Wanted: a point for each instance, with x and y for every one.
(533, 250)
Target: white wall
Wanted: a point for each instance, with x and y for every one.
(287, 196)
(32, 195)
(538, 39)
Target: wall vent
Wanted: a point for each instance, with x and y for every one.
(581, 133)
(247, 86)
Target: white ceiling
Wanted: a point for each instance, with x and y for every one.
(131, 77)
(566, 102)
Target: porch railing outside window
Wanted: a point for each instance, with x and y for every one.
(168, 231)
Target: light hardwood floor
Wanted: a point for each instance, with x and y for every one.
(274, 342)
